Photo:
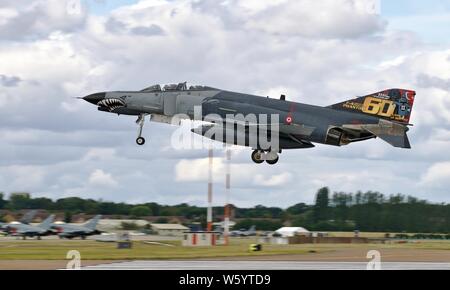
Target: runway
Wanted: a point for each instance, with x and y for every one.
(262, 265)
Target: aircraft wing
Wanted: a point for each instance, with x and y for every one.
(71, 230)
(390, 132)
(288, 129)
(72, 234)
(296, 130)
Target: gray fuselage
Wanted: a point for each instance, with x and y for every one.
(320, 120)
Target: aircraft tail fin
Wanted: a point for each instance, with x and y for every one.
(92, 223)
(47, 223)
(28, 217)
(392, 104)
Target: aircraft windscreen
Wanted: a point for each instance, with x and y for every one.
(176, 87)
(154, 88)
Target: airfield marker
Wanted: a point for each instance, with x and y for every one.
(226, 229)
(210, 185)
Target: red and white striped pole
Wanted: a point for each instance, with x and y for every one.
(210, 187)
(226, 226)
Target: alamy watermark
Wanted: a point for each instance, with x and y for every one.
(258, 131)
(74, 258)
(375, 260)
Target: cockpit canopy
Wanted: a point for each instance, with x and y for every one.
(154, 88)
(175, 87)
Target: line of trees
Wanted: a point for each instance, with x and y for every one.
(371, 211)
(340, 211)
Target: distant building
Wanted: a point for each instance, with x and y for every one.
(116, 224)
(202, 239)
(169, 229)
(221, 224)
(292, 231)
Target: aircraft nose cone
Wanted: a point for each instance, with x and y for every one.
(95, 98)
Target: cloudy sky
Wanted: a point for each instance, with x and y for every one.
(318, 52)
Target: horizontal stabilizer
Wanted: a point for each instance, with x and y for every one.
(392, 133)
(396, 141)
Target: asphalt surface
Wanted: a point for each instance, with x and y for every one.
(262, 265)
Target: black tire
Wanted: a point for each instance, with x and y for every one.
(140, 141)
(273, 162)
(255, 157)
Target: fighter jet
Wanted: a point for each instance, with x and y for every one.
(70, 231)
(244, 233)
(26, 219)
(385, 114)
(17, 229)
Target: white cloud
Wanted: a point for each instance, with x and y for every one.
(272, 181)
(318, 52)
(329, 18)
(102, 179)
(29, 21)
(99, 154)
(26, 177)
(437, 175)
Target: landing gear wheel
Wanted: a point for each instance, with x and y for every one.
(257, 157)
(272, 158)
(140, 121)
(140, 141)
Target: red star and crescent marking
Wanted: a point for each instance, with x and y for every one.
(289, 119)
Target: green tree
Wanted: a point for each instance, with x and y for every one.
(67, 216)
(297, 209)
(321, 207)
(162, 220)
(74, 204)
(2, 201)
(42, 203)
(129, 226)
(20, 200)
(140, 210)
(341, 202)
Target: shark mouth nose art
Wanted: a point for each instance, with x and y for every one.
(111, 104)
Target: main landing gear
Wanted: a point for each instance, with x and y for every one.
(259, 156)
(140, 121)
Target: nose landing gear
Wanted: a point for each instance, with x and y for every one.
(140, 121)
(140, 141)
(259, 156)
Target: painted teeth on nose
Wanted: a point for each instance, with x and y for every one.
(111, 104)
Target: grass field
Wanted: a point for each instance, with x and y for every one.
(91, 250)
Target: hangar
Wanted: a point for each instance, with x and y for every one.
(292, 231)
(169, 229)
